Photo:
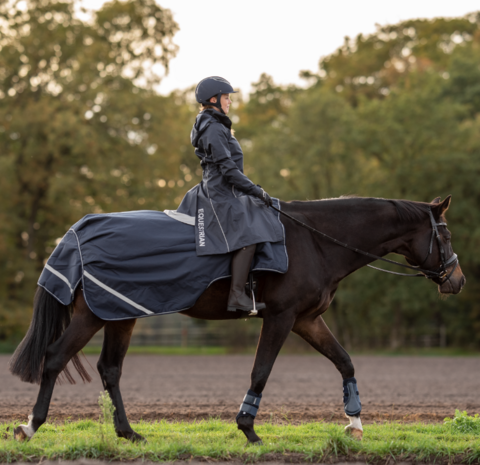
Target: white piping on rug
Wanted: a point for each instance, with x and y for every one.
(60, 275)
(117, 294)
(186, 219)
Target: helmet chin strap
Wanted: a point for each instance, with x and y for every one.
(217, 104)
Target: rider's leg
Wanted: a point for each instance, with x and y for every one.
(241, 262)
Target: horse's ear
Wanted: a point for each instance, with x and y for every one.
(436, 200)
(442, 207)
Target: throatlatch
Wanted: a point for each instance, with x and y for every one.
(351, 398)
(250, 404)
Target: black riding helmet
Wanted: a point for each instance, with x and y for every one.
(213, 86)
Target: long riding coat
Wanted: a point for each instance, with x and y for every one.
(228, 216)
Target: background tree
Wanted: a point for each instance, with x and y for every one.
(81, 129)
(372, 65)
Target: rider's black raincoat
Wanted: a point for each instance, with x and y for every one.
(228, 215)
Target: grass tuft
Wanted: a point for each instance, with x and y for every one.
(338, 443)
(463, 423)
(107, 428)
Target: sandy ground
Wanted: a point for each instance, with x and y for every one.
(300, 388)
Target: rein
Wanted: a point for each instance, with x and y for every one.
(429, 274)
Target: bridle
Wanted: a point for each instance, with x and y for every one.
(440, 273)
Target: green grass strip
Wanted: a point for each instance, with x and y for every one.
(159, 350)
(220, 440)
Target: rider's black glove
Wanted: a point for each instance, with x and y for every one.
(262, 195)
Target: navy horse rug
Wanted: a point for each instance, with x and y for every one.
(141, 263)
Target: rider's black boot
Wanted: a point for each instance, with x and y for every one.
(241, 262)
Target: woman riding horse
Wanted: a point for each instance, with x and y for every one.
(230, 218)
(231, 212)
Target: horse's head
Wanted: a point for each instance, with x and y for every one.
(431, 249)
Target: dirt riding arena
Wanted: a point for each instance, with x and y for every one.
(300, 388)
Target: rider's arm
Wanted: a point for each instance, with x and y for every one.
(215, 141)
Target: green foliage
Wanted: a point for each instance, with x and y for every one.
(219, 440)
(157, 350)
(463, 84)
(266, 104)
(312, 144)
(371, 66)
(81, 130)
(463, 423)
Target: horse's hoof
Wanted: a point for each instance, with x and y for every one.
(255, 443)
(19, 434)
(131, 436)
(137, 438)
(355, 433)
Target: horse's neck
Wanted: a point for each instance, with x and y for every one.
(367, 224)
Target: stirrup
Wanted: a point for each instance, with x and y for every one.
(254, 311)
(252, 284)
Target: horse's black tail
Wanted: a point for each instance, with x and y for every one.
(49, 321)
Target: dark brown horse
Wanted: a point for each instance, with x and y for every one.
(295, 301)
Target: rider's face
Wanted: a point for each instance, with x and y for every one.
(225, 102)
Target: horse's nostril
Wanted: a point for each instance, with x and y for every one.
(463, 281)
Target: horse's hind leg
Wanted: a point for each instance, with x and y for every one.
(316, 333)
(83, 326)
(115, 345)
(274, 332)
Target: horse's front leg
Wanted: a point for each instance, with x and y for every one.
(115, 346)
(316, 333)
(275, 330)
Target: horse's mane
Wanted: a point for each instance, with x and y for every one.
(407, 210)
(410, 211)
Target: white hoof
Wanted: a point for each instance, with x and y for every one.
(355, 428)
(24, 432)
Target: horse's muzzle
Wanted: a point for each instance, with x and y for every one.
(454, 284)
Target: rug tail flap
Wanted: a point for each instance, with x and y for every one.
(63, 270)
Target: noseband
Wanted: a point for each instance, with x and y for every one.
(440, 273)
